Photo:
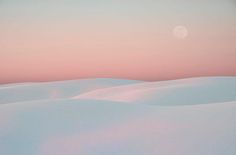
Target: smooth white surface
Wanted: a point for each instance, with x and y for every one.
(181, 117)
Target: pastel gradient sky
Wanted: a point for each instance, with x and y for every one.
(44, 40)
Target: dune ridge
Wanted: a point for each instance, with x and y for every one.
(195, 116)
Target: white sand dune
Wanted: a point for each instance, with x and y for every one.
(54, 90)
(85, 127)
(102, 121)
(175, 92)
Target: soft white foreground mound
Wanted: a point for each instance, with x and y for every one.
(55, 90)
(119, 117)
(175, 92)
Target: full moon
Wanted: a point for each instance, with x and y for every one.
(180, 32)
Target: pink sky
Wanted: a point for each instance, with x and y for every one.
(130, 44)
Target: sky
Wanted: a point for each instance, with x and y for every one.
(47, 40)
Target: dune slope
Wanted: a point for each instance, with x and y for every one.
(122, 118)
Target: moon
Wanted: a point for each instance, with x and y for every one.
(180, 32)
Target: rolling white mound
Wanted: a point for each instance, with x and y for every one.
(55, 90)
(119, 117)
(175, 92)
